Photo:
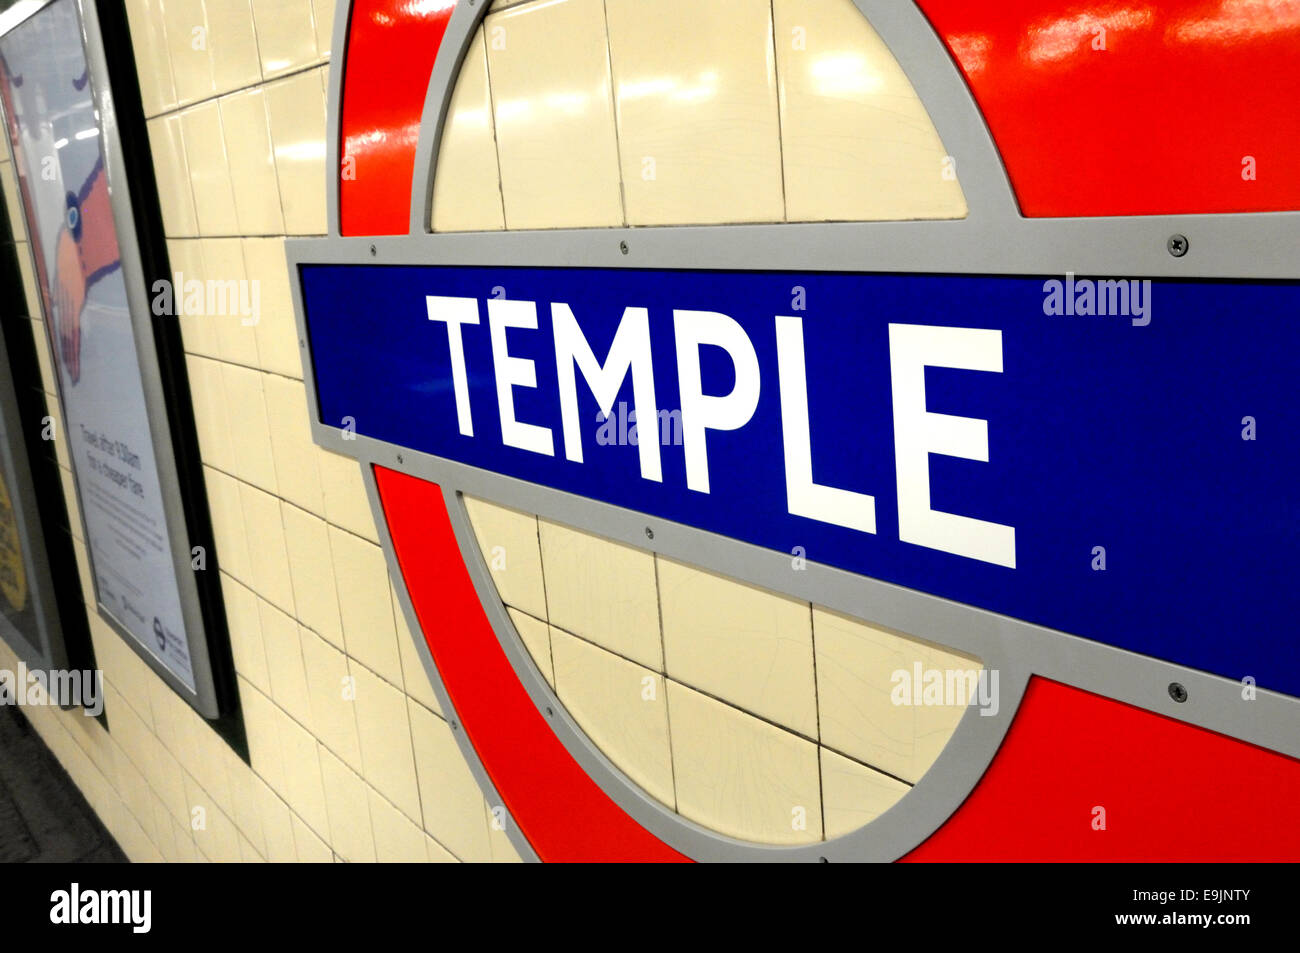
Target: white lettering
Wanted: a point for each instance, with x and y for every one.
(919, 433)
(702, 412)
(512, 372)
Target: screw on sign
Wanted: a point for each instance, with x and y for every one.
(920, 427)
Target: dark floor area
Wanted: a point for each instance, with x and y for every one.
(43, 817)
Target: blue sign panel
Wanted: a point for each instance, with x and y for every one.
(1117, 460)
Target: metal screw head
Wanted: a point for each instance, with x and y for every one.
(399, 458)
(373, 251)
(1178, 245)
(1177, 692)
(649, 533)
(550, 713)
(622, 246)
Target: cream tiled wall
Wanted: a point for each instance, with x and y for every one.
(350, 756)
(752, 713)
(757, 715)
(674, 112)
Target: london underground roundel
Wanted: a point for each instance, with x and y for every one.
(831, 429)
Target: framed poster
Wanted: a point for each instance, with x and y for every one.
(28, 618)
(61, 123)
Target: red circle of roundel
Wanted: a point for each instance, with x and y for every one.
(562, 812)
(390, 52)
(1170, 790)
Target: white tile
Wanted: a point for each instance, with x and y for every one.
(227, 514)
(211, 413)
(858, 144)
(508, 540)
(742, 644)
(252, 163)
(249, 429)
(296, 106)
(347, 803)
(226, 297)
(860, 714)
(276, 331)
(205, 152)
(365, 604)
(291, 443)
(450, 797)
(323, 13)
(244, 622)
(467, 180)
(284, 663)
(603, 591)
(346, 502)
(397, 839)
(172, 174)
(304, 790)
(311, 849)
(312, 574)
(621, 707)
(854, 795)
(698, 127)
(286, 35)
(536, 636)
(232, 42)
(152, 61)
(198, 334)
(267, 554)
(554, 118)
(414, 675)
(333, 698)
(741, 776)
(384, 729)
(186, 28)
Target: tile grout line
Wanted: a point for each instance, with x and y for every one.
(817, 712)
(261, 83)
(663, 656)
(722, 701)
(496, 142)
(613, 105)
(780, 131)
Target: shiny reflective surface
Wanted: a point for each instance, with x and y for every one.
(1131, 108)
(857, 142)
(467, 183)
(296, 106)
(699, 134)
(549, 69)
(397, 40)
(740, 118)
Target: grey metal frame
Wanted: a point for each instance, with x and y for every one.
(993, 239)
(203, 697)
